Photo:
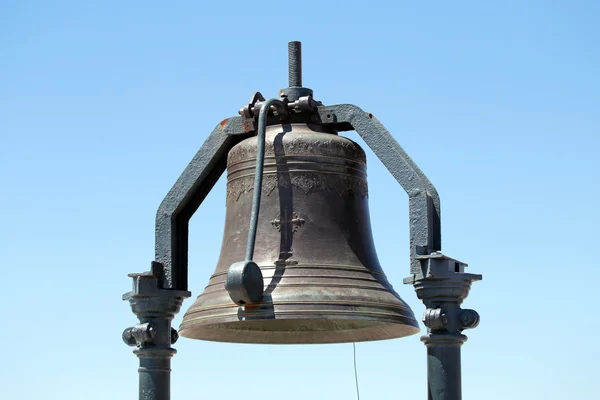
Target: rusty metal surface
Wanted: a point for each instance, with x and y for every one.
(184, 198)
(424, 201)
(323, 281)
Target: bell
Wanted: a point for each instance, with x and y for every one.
(322, 279)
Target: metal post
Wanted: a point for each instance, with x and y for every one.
(155, 374)
(153, 336)
(443, 366)
(442, 289)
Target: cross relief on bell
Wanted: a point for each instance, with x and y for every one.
(283, 221)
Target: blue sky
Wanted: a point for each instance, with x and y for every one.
(103, 103)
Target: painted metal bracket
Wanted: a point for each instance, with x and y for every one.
(186, 195)
(424, 201)
(439, 281)
(209, 163)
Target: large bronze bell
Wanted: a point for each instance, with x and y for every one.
(322, 279)
(297, 263)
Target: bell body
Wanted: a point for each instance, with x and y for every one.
(322, 279)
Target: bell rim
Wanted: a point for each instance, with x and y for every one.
(372, 330)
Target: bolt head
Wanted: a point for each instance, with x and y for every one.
(469, 319)
(128, 337)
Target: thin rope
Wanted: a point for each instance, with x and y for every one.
(356, 372)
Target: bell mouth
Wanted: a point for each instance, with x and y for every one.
(301, 331)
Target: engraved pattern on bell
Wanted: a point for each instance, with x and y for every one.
(323, 282)
(307, 182)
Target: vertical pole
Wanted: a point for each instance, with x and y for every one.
(443, 366)
(442, 289)
(153, 336)
(155, 374)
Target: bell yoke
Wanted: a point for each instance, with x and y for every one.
(298, 263)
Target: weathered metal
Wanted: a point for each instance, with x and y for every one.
(440, 282)
(184, 198)
(442, 287)
(244, 280)
(155, 308)
(323, 281)
(295, 64)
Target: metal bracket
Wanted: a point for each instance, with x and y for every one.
(424, 201)
(303, 105)
(185, 197)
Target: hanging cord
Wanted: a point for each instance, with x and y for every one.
(356, 372)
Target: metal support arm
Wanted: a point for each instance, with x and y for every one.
(424, 202)
(440, 281)
(185, 197)
(157, 295)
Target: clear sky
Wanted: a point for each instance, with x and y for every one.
(103, 103)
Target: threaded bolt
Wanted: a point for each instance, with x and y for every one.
(295, 64)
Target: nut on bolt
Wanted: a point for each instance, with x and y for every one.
(435, 318)
(469, 319)
(174, 335)
(128, 337)
(138, 335)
